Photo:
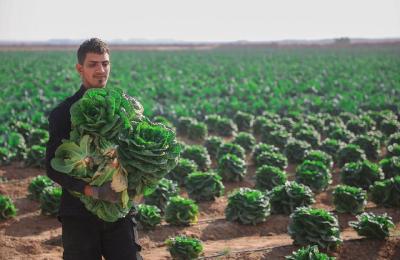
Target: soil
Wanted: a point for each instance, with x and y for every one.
(31, 235)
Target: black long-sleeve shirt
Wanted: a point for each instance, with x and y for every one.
(59, 128)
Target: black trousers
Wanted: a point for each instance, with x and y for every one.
(92, 238)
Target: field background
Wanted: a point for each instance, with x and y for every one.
(289, 81)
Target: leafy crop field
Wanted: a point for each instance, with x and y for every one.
(264, 134)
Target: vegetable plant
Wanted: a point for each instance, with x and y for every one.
(149, 216)
(350, 153)
(199, 155)
(309, 226)
(7, 207)
(50, 200)
(386, 193)
(37, 185)
(184, 248)
(348, 199)
(262, 147)
(309, 253)
(369, 144)
(273, 159)
(372, 226)
(231, 168)
(295, 150)
(197, 131)
(268, 177)
(314, 174)
(320, 156)
(181, 211)
(212, 144)
(286, 198)
(204, 186)
(244, 121)
(160, 194)
(361, 174)
(231, 148)
(181, 170)
(247, 206)
(245, 140)
(390, 166)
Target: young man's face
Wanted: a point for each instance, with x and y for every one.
(95, 70)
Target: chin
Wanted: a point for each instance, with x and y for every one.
(98, 85)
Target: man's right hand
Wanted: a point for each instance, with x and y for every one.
(104, 192)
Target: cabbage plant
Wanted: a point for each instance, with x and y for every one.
(372, 226)
(149, 216)
(181, 211)
(184, 248)
(204, 186)
(386, 193)
(268, 177)
(309, 253)
(348, 199)
(231, 168)
(7, 207)
(314, 174)
(310, 226)
(160, 194)
(37, 185)
(247, 206)
(286, 198)
(50, 200)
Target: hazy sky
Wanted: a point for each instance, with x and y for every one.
(201, 20)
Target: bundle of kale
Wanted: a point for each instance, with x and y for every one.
(111, 141)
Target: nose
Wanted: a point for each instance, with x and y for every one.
(100, 68)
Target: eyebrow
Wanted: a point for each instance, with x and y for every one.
(93, 61)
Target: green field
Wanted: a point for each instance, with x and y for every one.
(285, 125)
(197, 83)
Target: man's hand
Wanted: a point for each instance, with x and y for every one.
(104, 192)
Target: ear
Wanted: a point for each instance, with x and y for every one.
(79, 68)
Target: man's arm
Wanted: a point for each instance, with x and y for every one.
(56, 128)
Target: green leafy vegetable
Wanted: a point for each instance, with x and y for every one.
(348, 199)
(199, 155)
(231, 167)
(184, 248)
(102, 112)
(148, 216)
(386, 192)
(372, 226)
(7, 207)
(309, 253)
(268, 177)
(286, 198)
(50, 200)
(361, 174)
(204, 186)
(309, 226)
(245, 140)
(181, 211)
(182, 170)
(160, 195)
(314, 174)
(37, 185)
(247, 206)
(296, 150)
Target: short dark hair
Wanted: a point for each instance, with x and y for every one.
(94, 45)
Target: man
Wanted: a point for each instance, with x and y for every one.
(84, 235)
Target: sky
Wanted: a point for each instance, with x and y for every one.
(201, 20)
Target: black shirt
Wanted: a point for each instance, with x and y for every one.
(59, 128)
